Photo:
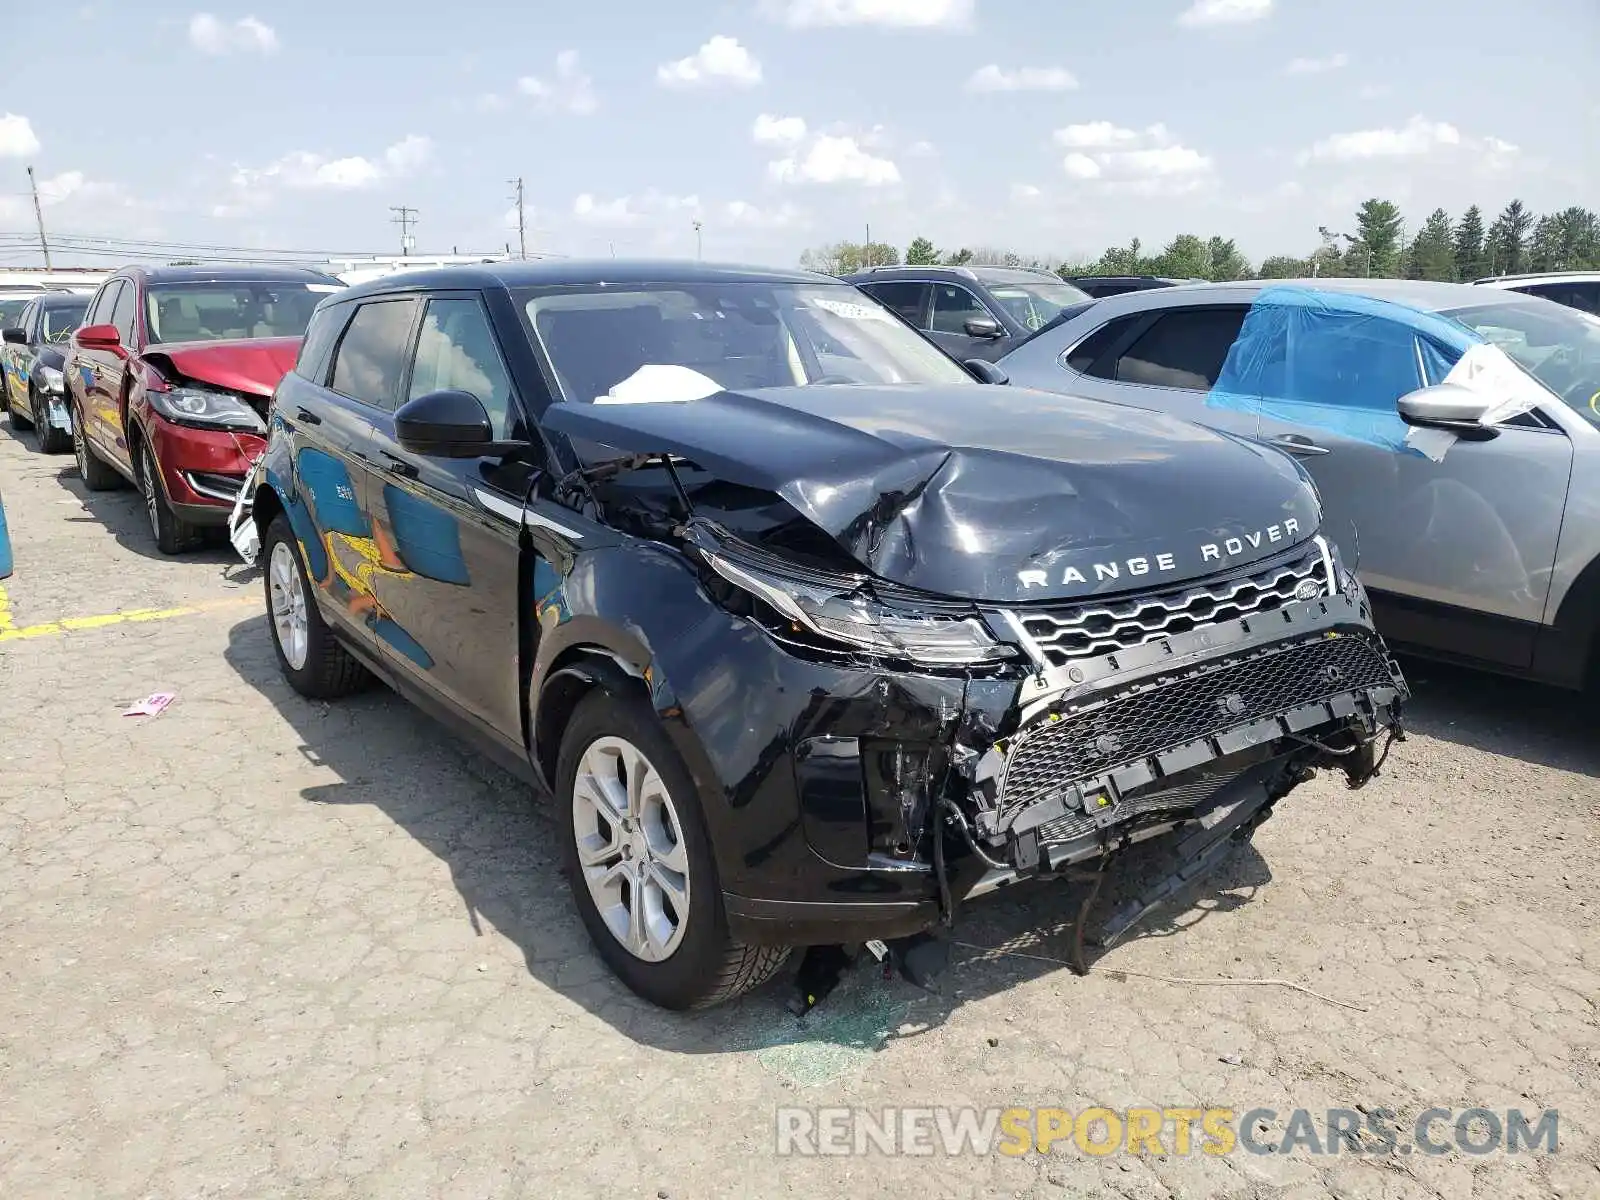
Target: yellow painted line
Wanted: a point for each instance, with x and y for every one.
(10, 632)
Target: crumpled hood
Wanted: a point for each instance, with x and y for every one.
(985, 493)
(253, 365)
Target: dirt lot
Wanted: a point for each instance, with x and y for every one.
(257, 946)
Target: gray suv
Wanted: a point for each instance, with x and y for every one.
(973, 312)
(1481, 545)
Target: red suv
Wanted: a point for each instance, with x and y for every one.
(169, 378)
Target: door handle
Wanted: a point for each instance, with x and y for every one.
(1298, 444)
(309, 417)
(397, 466)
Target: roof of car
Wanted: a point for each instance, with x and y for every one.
(224, 274)
(1508, 281)
(54, 299)
(1428, 295)
(582, 272)
(946, 271)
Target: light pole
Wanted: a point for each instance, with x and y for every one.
(697, 228)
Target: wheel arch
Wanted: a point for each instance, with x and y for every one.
(575, 672)
(1569, 647)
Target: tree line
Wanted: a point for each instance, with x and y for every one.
(1441, 248)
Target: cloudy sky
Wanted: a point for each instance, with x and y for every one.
(1052, 128)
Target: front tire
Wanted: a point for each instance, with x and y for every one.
(310, 657)
(639, 861)
(96, 475)
(173, 534)
(51, 439)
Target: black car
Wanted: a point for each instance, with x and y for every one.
(972, 312)
(812, 636)
(1117, 285)
(32, 387)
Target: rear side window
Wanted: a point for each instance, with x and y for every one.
(1185, 348)
(25, 319)
(1094, 347)
(372, 355)
(456, 351)
(323, 331)
(100, 314)
(909, 299)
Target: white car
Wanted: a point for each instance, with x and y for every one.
(1575, 289)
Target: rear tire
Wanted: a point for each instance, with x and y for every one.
(310, 657)
(681, 959)
(173, 534)
(96, 475)
(51, 439)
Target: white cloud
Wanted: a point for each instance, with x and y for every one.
(923, 149)
(1224, 12)
(212, 35)
(1316, 66)
(1096, 135)
(744, 215)
(568, 90)
(1121, 156)
(893, 14)
(1024, 192)
(631, 210)
(720, 60)
(105, 204)
(305, 170)
(1080, 166)
(832, 159)
(1417, 137)
(17, 138)
(771, 130)
(994, 78)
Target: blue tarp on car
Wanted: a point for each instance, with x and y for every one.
(1337, 361)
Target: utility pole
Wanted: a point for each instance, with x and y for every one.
(866, 249)
(697, 228)
(522, 224)
(405, 218)
(38, 215)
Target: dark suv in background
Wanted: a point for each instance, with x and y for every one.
(972, 312)
(1119, 285)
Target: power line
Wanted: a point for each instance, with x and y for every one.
(405, 218)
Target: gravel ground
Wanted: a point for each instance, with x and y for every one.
(257, 946)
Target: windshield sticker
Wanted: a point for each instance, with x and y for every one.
(661, 383)
(850, 311)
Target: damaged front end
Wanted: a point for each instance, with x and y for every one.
(956, 740)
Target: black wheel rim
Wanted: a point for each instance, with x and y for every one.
(147, 477)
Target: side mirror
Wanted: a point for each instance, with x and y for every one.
(15, 336)
(98, 337)
(986, 372)
(984, 327)
(449, 424)
(1445, 406)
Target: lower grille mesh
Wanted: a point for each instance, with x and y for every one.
(1177, 711)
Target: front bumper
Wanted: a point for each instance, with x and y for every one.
(1048, 771)
(202, 469)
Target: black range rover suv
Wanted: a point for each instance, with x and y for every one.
(813, 636)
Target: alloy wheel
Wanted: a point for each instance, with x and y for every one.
(290, 622)
(148, 485)
(80, 448)
(631, 848)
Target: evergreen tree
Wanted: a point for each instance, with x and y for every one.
(1378, 225)
(921, 253)
(1470, 261)
(1226, 261)
(1432, 254)
(1506, 243)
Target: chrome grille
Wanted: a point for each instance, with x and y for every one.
(1172, 712)
(1061, 635)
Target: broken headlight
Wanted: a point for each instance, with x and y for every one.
(856, 621)
(206, 408)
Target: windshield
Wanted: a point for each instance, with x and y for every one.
(11, 311)
(1035, 305)
(62, 319)
(1558, 346)
(732, 336)
(208, 312)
